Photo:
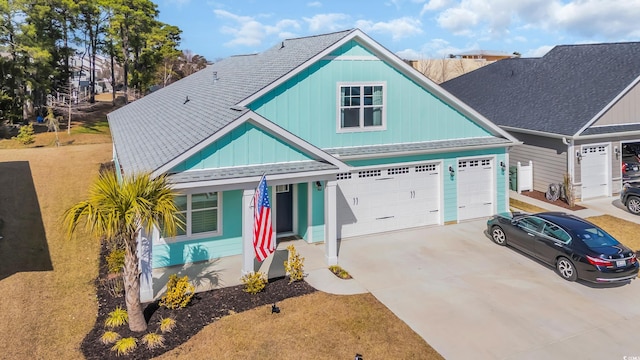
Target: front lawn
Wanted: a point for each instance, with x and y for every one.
(49, 303)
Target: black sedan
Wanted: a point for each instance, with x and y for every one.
(576, 247)
(630, 197)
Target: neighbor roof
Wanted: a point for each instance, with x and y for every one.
(156, 129)
(560, 93)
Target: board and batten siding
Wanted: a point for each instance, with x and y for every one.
(549, 158)
(245, 145)
(625, 111)
(189, 250)
(307, 105)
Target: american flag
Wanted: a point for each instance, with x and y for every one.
(262, 230)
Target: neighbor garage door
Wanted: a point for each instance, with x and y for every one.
(392, 198)
(476, 194)
(594, 170)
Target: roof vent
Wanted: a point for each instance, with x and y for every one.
(186, 100)
(282, 45)
(215, 77)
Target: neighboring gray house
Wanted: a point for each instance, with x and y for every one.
(577, 110)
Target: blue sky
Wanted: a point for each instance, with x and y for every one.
(413, 29)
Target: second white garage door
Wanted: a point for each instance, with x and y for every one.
(378, 200)
(594, 169)
(476, 196)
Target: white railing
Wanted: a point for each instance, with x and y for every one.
(525, 177)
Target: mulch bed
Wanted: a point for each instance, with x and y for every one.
(539, 195)
(204, 309)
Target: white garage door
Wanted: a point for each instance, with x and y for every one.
(372, 201)
(594, 170)
(475, 188)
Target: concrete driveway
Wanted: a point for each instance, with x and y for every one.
(472, 299)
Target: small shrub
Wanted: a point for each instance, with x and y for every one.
(117, 317)
(167, 324)
(339, 272)
(179, 292)
(254, 282)
(26, 135)
(153, 340)
(294, 266)
(109, 337)
(115, 261)
(125, 346)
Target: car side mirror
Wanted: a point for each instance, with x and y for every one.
(514, 222)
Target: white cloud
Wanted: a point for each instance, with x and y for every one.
(459, 21)
(314, 4)
(409, 54)
(249, 32)
(433, 5)
(398, 28)
(326, 22)
(611, 19)
(538, 52)
(434, 49)
(591, 18)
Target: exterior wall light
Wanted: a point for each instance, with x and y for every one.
(451, 171)
(318, 185)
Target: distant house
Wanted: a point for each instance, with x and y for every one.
(576, 110)
(486, 55)
(81, 74)
(445, 69)
(352, 140)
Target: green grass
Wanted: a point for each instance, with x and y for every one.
(96, 128)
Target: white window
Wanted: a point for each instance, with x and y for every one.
(361, 107)
(199, 212)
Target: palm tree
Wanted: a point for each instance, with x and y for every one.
(119, 210)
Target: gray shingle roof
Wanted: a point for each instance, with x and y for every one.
(158, 128)
(428, 146)
(558, 93)
(253, 170)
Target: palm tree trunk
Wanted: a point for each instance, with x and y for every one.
(131, 278)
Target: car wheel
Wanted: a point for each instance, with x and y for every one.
(498, 236)
(566, 269)
(633, 204)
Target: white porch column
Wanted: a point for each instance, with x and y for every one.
(330, 223)
(248, 254)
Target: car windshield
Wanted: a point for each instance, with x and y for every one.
(594, 237)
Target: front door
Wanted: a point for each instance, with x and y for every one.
(284, 209)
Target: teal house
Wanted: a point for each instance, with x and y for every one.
(353, 141)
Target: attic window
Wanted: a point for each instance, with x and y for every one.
(361, 107)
